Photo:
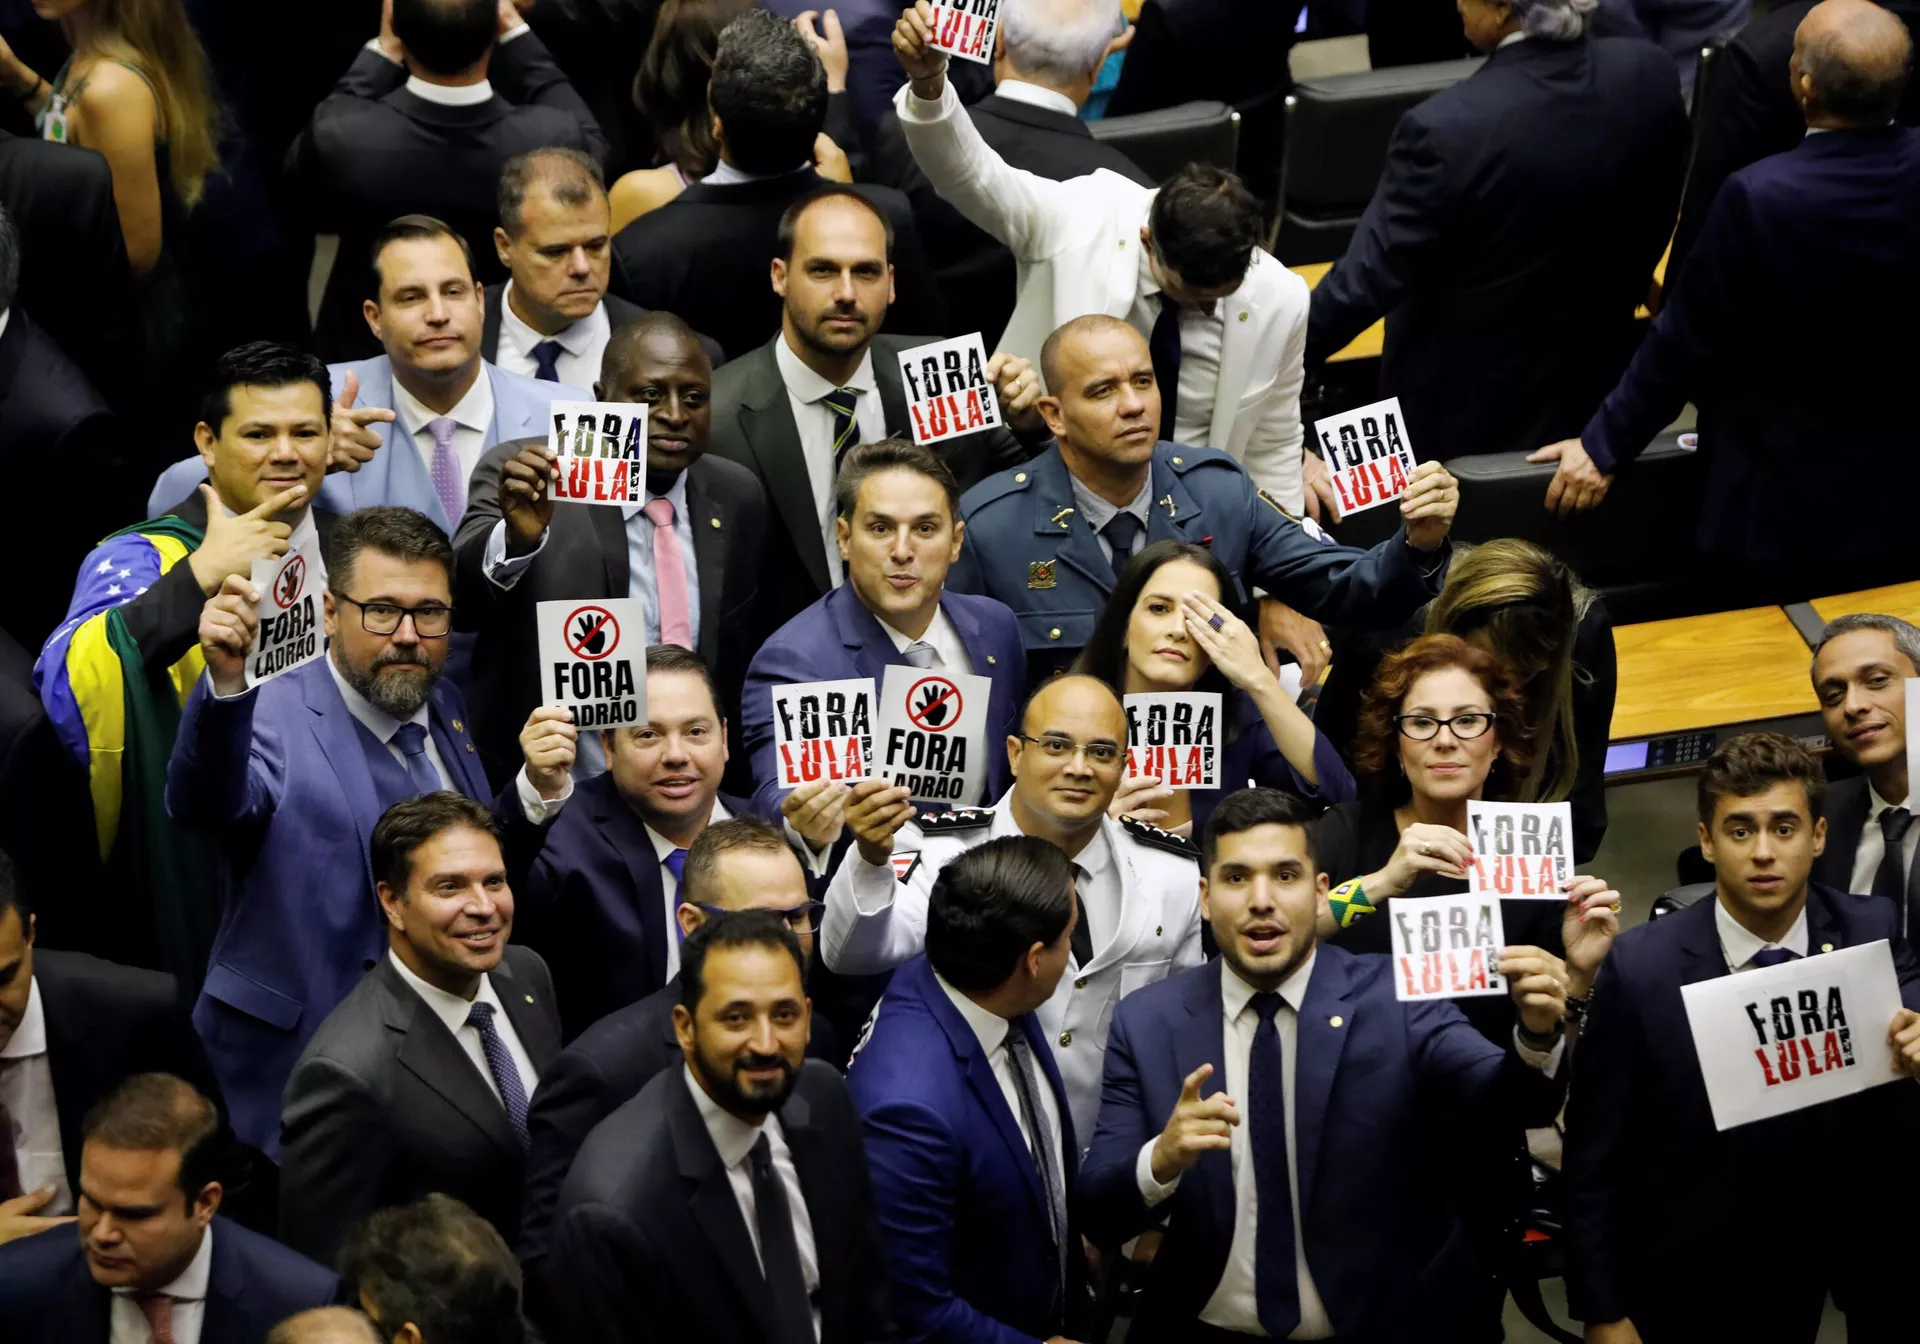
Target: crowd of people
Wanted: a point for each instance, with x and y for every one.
(383, 1001)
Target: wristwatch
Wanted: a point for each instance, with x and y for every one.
(1535, 1041)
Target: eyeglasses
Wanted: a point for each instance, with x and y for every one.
(1424, 727)
(801, 918)
(430, 621)
(1062, 748)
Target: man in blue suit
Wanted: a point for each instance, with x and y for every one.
(293, 775)
(969, 1136)
(410, 426)
(1833, 1182)
(1277, 1108)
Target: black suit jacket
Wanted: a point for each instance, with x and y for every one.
(375, 151)
(705, 255)
(975, 269)
(647, 1227)
(47, 1295)
(385, 1107)
(619, 313)
(1515, 228)
(1846, 814)
(46, 812)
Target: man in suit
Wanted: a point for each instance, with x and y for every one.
(704, 254)
(1050, 51)
(1828, 221)
(1271, 1107)
(434, 1272)
(293, 776)
(418, 1082)
(690, 553)
(1641, 1140)
(1514, 232)
(730, 1196)
(46, 815)
(153, 1261)
(421, 123)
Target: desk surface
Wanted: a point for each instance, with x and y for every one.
(1704, 671)
(1900, 599)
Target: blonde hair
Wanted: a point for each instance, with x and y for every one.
(157, 39)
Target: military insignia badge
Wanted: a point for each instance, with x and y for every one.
(1041, 573)
(1279, 508)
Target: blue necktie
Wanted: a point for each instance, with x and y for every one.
(1773, 956)
(412, 738)
(1275, 1276)
(546, 357)
(506, 1077)
(1121, 531)
(676, 864)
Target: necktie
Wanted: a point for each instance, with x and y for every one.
(1164, 347)
(546, 358)
(513, 1092)
(9, 1162)
(1082, 939)
(448, 482)
(846, 430)
(1773, 956)
(918, 654)
(779, 1250)
(669, 575)
(412, 739)
(1121, 531)
(158, 1309)
(1890, 878)
(1027, 1083)
(676, 864)
(1276, 1278)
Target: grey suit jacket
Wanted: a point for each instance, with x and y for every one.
(385, 1107)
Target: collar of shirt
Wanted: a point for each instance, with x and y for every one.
(191, 1286)
(472, 411)
(30, 1037)
(1236, 994)
(939, 633)
(1096, 856)
(1019, 91)
(374, 719)
(663, 846)
(576, 338)
(676, 494)
(6, 315)
(810, 387)
(1739, 945)
(725, 174)
(1098, 512)
(1876, 805)
(449, 1008)
(1510, 39)
(732, 1137)
(450, 95)
(991, 1028)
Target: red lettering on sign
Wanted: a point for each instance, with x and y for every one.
(1813, 1065)
(1787, 1061)
(1834, 1058)
(1396, 477)
(1765, 1067)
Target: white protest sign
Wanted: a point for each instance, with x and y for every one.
(599, 451)
(1446, 947)
(948, 391)
(1782, 1038)
(593, 660)
(290, 633)
(1368, 454)
(1174, 737)
(931, 732)
(823, 730)
(1521, 851)
(965, 28)
(1913, 718)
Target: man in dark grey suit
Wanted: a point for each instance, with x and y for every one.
(1860, 668)
(418, 1082)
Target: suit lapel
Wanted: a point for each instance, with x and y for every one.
(1318, 1046)
(610, 535)
(625, 835)
(1236, 359)
(490, 322)
(1846, 812)
(860, 631)
(455, 741)
(1173, 512)
(1702, 957)
(766, 422)
(227, 1282)
(1201, 1039)
(714, 1207)
(405, 480)
(533, 1025)
(893, 397)
(342, 747)
(430, 1053)
(1134, 905)
(709, 559)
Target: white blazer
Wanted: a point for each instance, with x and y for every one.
(1077, 244)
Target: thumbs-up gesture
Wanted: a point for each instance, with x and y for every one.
(1198, 1125)
(354, 442)
(235, 541)
(228, 624)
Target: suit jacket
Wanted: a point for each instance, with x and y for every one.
(48, 1296)
(1641, 1142)
(704, 255)
(385, 1107)
(586, 557)
(1830, 222)
(46, 813)
(647, 1227)
(375, 151)
(873, 71)
(619, 313)
(1370, 1077)
(1553, 170)
(1846, 814)
(975, 269)
(1077, 249)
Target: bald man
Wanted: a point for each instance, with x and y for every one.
(690, 553)
(325, 1325)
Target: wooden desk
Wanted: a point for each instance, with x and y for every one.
(1900, 599)
(1704, 671)
(1368, 344)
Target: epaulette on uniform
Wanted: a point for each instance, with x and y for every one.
(960, 819)
(997, 486)
(1159, 839)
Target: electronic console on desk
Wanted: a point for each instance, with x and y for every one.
(1683, 753)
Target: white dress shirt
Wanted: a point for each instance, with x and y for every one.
(670, 888)
(189, 1293)
(1739, 945)
(1201, 336)
(805, 388)
(1019, 91)
(472, 416)
(725, 174)
(452, 1010)
(1873, 842)
(949, 653)
(991, 1029)
(581, 344)
(733, 1138)
(26, 1090)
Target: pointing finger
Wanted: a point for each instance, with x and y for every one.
(1190, 1089)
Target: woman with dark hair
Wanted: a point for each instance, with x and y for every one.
(1166, 628)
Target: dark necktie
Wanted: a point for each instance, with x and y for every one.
(676, 864)
(1121, 531)
(1164, 346)
(1890, 878)
(546, 358)
(779, 1251)
(506, 1077)
(1082, 940)
(9, 1163)
(412, 741)
(1027, 1082)
(846, 429)
(1773, 956)
(1275, 1276)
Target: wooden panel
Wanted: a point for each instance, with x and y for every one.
(1704, 671)
(1368, 344)
(1900, 599)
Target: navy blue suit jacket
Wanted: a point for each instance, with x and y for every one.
(962, 1214)
(1371, 1075)
(1253, 756)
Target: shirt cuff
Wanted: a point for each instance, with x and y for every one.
(373, 44)
(237, 695)
(1547, 1061)
(872, 886)
(512, 33)
(915, 108)
(816, 864)
(1151, 1190)
(540, 810)
(502, 570)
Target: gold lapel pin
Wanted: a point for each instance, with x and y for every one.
(529, 998)
(1336, 1021)
(1060, 517)
(458, 727)
(1171, 511)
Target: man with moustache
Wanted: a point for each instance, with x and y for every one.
(1860, 670)
(731, 1196)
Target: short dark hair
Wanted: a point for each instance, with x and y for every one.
(9, 259)
(991, 904)
(673, 658)
(572, 178)
(406, 826)
(1750, 764)
(789, 229)
(404, 534)
(157, 1112)
(623, 346)
(722, 838)
(1205, 225)
(1104, 655)
(10, 897)
(1244, 809)
(870, 459)
(739, 928)
(446, 37)
(262, 364)
(409, 229)
(441, 1266)
(770, 92)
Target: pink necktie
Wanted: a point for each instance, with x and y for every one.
(446, 470)
(158, 1309)
(669, 575)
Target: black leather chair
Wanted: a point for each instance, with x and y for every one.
(1679, 898)
(1166, 140)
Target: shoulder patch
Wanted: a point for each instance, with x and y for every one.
(1280, 508)
(959, 819)
(1159, 839)
(1012, 481)
(904, 862)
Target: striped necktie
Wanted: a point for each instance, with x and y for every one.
(846, 428)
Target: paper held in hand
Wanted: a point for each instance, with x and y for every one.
(599, 451)
(948, 391)
(931, 733)
(965, 28)
(1368, 454)
(1521, 851)
(593, 660)
(1446, 947)
(1782, 1038)
(291, 633)
(823, 730)
(1174, 737)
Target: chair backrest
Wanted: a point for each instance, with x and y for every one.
(1338, 127)
(1680, 898)
(1166, 140)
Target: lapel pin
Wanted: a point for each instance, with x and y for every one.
(457, 728)
(1059, 519)
(1826, 947)
(714, 521)
(1040, 574)
(1243, 314)
(1156, 930)
(469, 746)
(1171, 511)
(989, 660)
(1336, 1021)
(529, 998)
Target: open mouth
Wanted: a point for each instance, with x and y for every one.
(676, 786)
(1262, 939)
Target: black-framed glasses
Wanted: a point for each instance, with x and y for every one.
(431, 620)
(1061, 748)
(1425, 727)
(803, 918)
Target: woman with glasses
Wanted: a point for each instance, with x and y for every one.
(1167, 628)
